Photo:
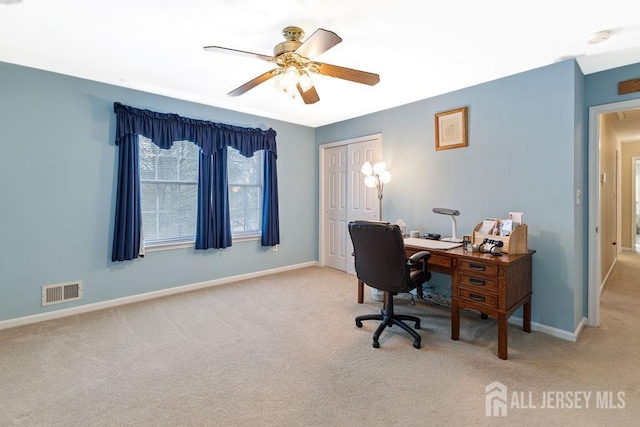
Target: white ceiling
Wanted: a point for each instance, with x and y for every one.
(419, 48)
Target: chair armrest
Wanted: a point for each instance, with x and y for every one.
(417, 257)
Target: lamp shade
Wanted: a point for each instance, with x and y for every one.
(366, 169)
(370, 181)
(385, 176)
(291, 76)
(379, 167)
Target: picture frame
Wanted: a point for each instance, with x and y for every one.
(451, 129)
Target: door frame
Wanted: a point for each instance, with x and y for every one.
(321, 189)
(594, 264)
(634, 201)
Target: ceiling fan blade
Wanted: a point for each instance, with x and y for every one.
(255, 82)
(236, 52)
(319, 42)
(344, 73)
(310, 96)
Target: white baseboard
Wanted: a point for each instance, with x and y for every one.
(41, 317)
(550, 330)
(604, 281)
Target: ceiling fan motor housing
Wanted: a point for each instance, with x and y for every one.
(293, 35)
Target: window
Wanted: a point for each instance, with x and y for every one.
(245, 192)
(169, 189)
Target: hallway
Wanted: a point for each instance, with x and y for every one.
(621, 294)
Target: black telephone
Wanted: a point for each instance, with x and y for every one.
(492, 247)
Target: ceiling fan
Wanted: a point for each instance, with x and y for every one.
(296, 60)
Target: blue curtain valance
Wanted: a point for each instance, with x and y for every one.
(165, 128)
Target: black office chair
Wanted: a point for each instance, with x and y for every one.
(381, 262)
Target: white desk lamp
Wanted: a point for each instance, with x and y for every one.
(452, 214)
(376, 176)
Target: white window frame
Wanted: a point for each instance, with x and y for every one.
(175, 241)
(258, 157)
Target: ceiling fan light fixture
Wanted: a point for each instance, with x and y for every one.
(287, 80)
(291, 76)
(305, 81)
(295, 60)
(279, 83)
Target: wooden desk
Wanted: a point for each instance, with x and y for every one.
(496, 286)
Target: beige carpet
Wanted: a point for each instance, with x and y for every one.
(284, 351)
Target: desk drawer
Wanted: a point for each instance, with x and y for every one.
(434, 259)
(439, 260)
(479, 267)
(481, 283)
(478, 297)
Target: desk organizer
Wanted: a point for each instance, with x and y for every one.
(515, 243)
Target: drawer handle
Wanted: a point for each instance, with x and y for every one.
(476, 281)
(476, 297)
(478, 267)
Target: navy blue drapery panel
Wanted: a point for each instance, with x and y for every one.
(213, 231)
(204, 228)
(128, 221)
(165, 129)
(270, 223)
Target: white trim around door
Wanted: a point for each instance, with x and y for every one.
(595, 267)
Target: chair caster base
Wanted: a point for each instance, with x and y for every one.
(388, 320)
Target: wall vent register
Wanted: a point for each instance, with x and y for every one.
(61, 292)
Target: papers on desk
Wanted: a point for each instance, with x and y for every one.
(501, 227)
(430, 244)
(488, 226)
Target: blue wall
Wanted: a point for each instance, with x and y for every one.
(521, 157)
(527, 152)
(602, 88)
(57, 181)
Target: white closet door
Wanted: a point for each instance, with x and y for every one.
(345, 198)
(362, 202)
(335, 202)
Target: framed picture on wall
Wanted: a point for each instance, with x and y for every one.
(451, 129)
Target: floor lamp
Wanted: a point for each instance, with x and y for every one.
(376, 176)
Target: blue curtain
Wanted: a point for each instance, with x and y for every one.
(270, 223)
(213, 228)
(127, 236)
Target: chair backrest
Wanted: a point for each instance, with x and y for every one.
(380, 258)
